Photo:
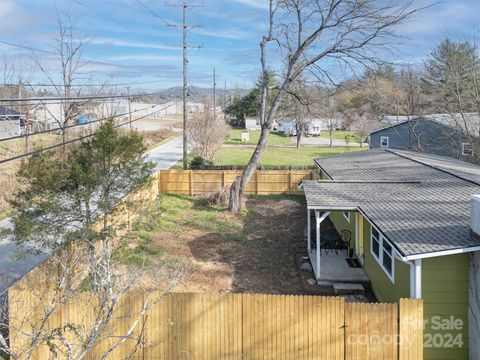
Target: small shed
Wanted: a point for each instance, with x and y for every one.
(252, 123)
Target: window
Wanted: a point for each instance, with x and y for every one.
(387, 258)
(382, 252)
(375, 243)
(384, 141)
(467, 149)
(346, 215)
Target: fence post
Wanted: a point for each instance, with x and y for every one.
(223, 179)
(190, 181)
(290, 182)
(159, 185)
(256, 182)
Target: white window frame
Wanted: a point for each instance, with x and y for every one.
(379, 258)
(346, 215)
(463, 149)
(384, 138)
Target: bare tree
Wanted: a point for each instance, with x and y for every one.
(207, 134)
(51, 312)
(299, 104)
(453, 70)
(363, 127)
(79, 222)
(309, 32)
(69, 46)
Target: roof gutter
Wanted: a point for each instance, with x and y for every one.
(442, 253)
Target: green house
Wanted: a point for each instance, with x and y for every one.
(407, 217)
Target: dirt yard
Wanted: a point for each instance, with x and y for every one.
(251, 253)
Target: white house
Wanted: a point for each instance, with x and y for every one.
(287, 126)
(314, 126)
(252, 123)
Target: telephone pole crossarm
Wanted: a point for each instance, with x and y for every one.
(185, 47)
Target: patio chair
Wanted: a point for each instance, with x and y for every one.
(345, 241)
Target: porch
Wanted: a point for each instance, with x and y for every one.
(335, 254)
(335, 269)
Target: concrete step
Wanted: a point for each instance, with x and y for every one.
(348, 289)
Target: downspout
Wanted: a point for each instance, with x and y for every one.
(415, 278)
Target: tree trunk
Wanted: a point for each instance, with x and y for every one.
(238, 187)
(299, 138)
(233, 204)
(331, 138)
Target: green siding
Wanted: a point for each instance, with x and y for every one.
(444, 289)
(445, 294)
(383, 288)
(341, 223)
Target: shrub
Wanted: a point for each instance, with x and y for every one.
(221, 197)
(199, 163)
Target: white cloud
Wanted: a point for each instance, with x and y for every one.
(257, 4)
(14, 18)
(131, 44)
(233, 34)
(143, 57)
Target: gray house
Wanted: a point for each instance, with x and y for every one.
(431, 135)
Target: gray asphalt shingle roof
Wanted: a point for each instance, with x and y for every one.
(419, 208)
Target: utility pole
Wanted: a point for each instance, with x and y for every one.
(225, 102)
(214, 96)
(185, 87)
(185, 47)
(129, 108)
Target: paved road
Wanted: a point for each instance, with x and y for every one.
(165, 156)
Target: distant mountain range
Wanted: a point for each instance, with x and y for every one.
(199, 92)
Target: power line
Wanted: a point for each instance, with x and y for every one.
(81, 98)
(153, 12)
(83, 85)
(31, 48)
(17, 157)
(91, 122)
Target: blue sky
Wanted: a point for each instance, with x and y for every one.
(131, 44)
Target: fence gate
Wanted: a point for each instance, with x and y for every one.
(247, 327)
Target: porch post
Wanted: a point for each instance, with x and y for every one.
(317, 217)
(309, 232)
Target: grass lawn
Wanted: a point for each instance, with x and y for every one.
(277, 156)
(221, 252)
(341, 135)
(273, 139)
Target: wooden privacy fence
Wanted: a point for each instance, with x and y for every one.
(198, 182)
(239, 326)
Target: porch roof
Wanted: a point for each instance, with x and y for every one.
(419, 208)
